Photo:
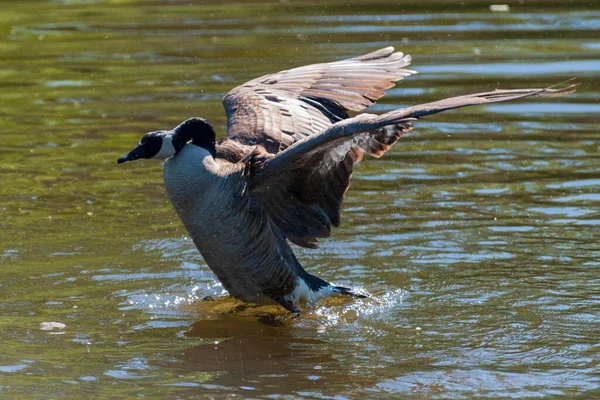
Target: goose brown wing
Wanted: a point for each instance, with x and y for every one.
(305, 200)
(280, 109)
(302, 187)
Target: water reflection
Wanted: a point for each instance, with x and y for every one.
(243, 345)
(242, 352)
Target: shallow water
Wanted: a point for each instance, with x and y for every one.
(477, 234)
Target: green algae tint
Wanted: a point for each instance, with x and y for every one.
(477, 234)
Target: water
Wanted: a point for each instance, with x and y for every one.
(477, 234)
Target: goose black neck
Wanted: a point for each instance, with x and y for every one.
(196, 130)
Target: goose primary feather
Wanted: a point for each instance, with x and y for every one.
(281, 173)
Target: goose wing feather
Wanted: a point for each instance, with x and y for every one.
(278, 110)
(302, 187)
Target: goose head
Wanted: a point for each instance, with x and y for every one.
(164, 144)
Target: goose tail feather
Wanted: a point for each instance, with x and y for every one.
(353, 292)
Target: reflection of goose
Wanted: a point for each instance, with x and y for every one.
(236, 350)
(281, 172)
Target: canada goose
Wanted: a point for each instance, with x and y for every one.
(281, 173)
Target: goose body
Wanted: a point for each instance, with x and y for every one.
(280, 174)
(233, 254)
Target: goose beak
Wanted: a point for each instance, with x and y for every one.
(134, 154)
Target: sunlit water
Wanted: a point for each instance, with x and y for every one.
(477, 235)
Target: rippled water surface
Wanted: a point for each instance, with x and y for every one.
(477, 234)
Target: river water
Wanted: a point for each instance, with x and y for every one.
(477, 234)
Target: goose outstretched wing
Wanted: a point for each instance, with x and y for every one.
(277, 110)
(302, 187)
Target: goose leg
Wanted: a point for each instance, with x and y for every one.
(288, 305)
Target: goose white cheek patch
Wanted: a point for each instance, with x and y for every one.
(166, 148)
